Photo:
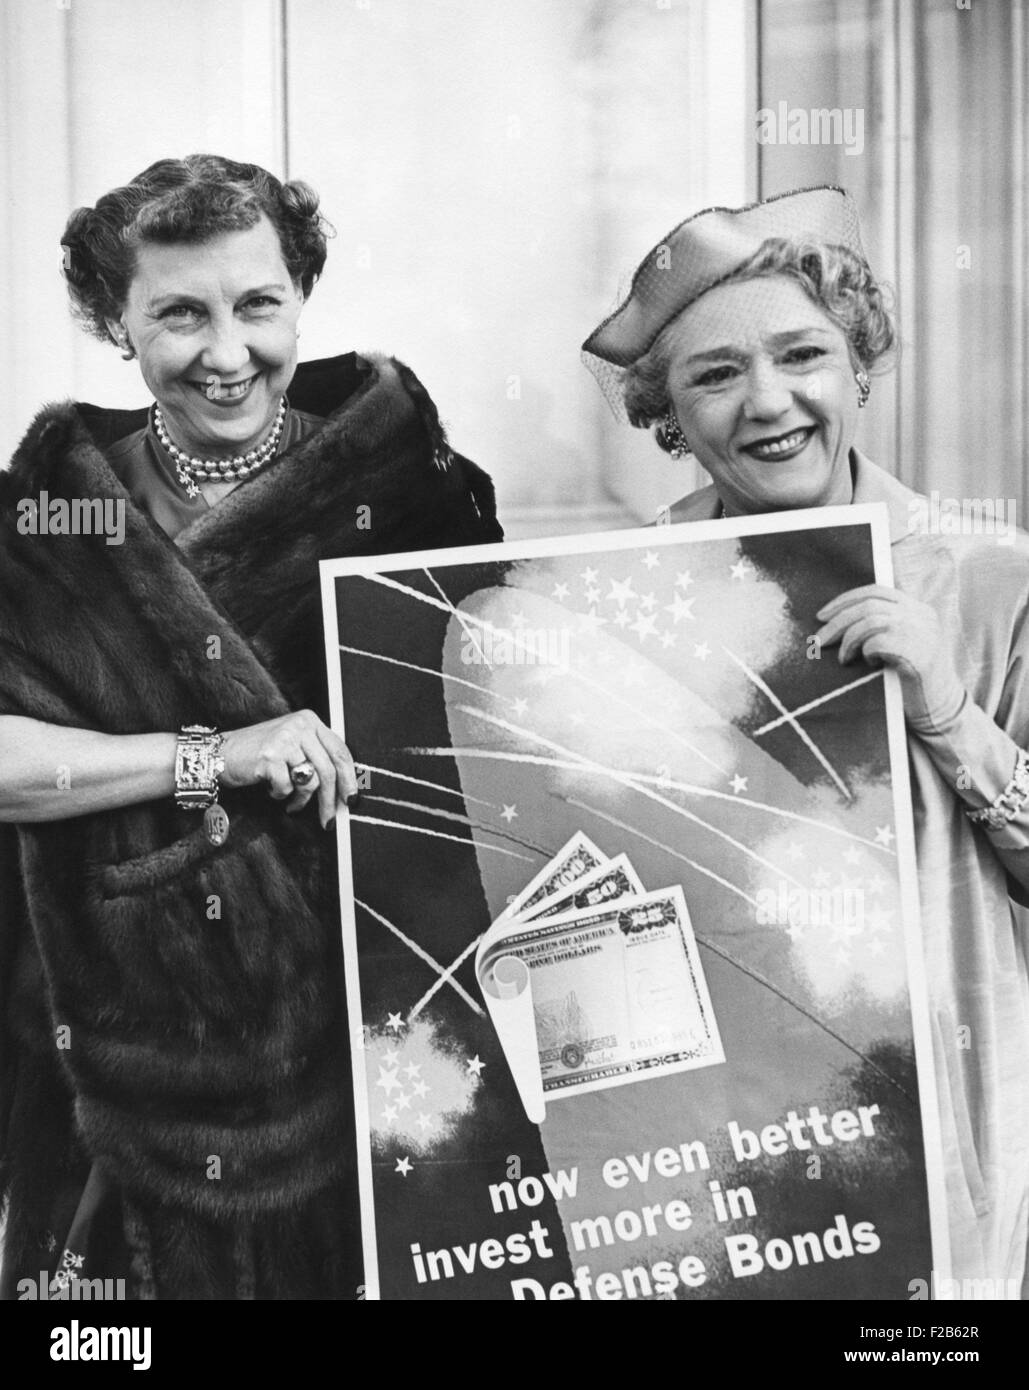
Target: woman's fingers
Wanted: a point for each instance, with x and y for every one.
(855, 596)
(325, 772)
(845, 618)
(859, 633)
(346, 773)
(271, 751)
(303, 791)
(276, 774)
(335, 779)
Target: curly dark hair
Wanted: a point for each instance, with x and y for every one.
(184, 200)
(833, 277)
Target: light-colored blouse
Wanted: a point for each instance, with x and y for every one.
(975, 938)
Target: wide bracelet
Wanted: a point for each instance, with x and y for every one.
(198, 763)
(1011, 800)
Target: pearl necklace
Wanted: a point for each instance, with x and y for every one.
(235, 469)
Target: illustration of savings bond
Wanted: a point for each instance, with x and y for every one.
(599, 985)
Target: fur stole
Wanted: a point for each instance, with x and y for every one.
(187, 1000)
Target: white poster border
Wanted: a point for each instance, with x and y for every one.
(874, 515)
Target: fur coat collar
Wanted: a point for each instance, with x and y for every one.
(183, 1001)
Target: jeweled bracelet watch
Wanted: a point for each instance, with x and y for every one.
(198, 765)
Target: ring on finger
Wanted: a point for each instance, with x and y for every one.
(301, 774)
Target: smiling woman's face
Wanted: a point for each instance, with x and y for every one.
(214, 326)
(763, 385)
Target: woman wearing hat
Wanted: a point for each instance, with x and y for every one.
(748, 339)
(174, 1090)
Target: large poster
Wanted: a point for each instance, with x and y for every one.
(630, 921)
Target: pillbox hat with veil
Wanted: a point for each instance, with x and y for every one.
(698, 255)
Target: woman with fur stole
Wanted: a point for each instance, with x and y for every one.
(174, 1084)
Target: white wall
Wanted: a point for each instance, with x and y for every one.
(495, 171)
(92, 94)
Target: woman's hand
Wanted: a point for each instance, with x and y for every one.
(267, 752)
(890, 628)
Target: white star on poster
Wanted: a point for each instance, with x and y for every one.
(561, 592)
(589, 576)
(389, 1114)
(475, 1065)
(412, 1070)
(651, 559)
(884, 836)
(741, 569)
(591, 622)
(508, 813)
(621, 591)
(702, 651)
(645, 625)
(388, 1080)
(739, 784)
(424, 1121)
(683, 580)
(395, 1021)
(680, 607)
(404, 1166)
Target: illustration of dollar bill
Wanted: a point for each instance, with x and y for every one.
(618, 992)
(605, 884)
(579, 857)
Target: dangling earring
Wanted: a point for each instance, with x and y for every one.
(864, 387)
(671, 432)
(128, 352)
